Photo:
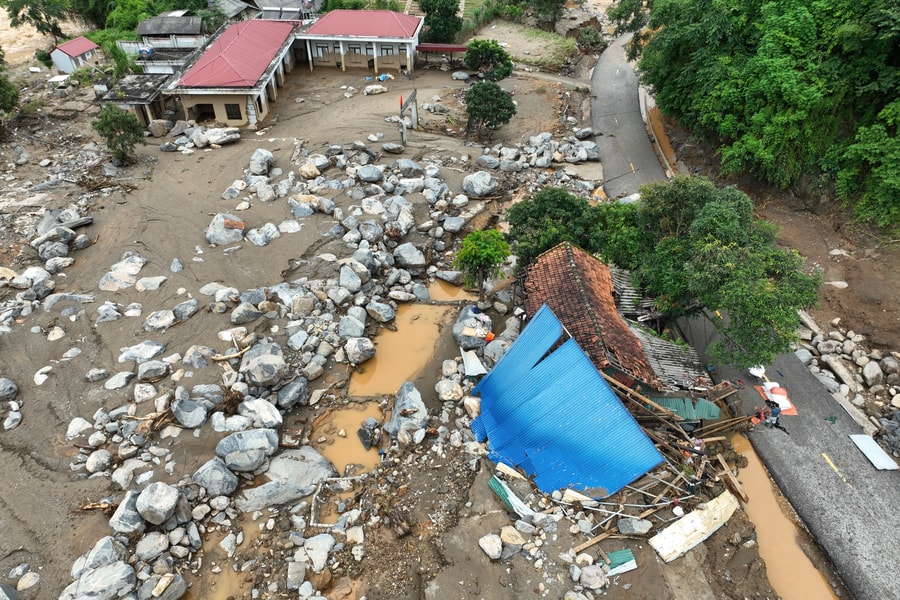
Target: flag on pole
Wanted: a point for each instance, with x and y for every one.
(401, 102)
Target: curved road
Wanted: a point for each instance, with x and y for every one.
(626, 153)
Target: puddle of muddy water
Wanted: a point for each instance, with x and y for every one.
(400, 355)
(441, 291)
(790, 571)
(347, 449)
(228, 583)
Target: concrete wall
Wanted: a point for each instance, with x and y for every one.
(218, 102)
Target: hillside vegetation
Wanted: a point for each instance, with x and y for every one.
(786, 89)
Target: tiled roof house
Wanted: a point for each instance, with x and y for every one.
(580, 290)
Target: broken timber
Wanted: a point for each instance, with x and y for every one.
(731, 481)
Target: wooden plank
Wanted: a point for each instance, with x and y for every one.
(603, 555)
(731, 481)
(641, 397)
(694, 527)
(595, 540)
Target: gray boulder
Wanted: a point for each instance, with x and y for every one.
(264, 364)
(292, 475)
(225, 229)
(246, 451)
(409, 412)
(8, 389)
(465, 324)
(157, 502)
(369, 174)
(350, 327)
(294, 393)
(260, 161)
(126, 519)
(261, 412)
(146, 350)
(106, 551)
(188, 413)
(479, 184)
(359, 350)
(216, 478)
(407, 256)
(380, 312)
(223, 135)
(104, 583)
(408, 168)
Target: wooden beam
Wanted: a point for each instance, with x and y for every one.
(641, 397)
(731, 481)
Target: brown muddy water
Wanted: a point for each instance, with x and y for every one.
(402, 354)
(336, 438)
(791, 573)
(441, 291)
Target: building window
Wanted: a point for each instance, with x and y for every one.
(387, 50)
(321, 50)
(233, 112)
(355, 49)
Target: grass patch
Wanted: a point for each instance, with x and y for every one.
(557, 48)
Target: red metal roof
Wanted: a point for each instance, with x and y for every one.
(579, 289)
(77, 47)
(365, 23)
(239, 56)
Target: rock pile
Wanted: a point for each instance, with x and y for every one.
(866, 381)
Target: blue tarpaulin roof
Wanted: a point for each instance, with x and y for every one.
(555, 417)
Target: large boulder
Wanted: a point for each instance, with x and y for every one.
(260, 161)
(156, 502)
(479, 184)
(470, 327)
(410, 258)
(292, 475)
(359, 350)
(215, 477)
(8, 389)
(264, 364)
(409, 414)
(224, 229)
(246, 451)
(104, 583)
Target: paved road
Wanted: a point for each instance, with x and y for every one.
(626, 153)
(852, 509)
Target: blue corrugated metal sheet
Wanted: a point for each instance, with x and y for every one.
(558, 419)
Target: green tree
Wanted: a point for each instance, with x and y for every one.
(9, 94)
(127, 14)
(701, 250)
(480, 256)
(488, 107)
(551, 216)
(489, 58)
(695, 248)
(872, 169)
(442, 21)
(43, 15)
(786, 89)
(546, 11)
(121, 130)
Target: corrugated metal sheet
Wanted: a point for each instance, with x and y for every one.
(677, 366)
(557, 419)
(689, 409)
(542, 331)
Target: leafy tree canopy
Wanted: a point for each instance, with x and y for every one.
(785, 88)
(551, 216)
(121, 130)
(9, 95)
(694, 248)
(488, 57)
(442, 21)
(480, 256)
(546, 11)
(43, 15)
(488, 106)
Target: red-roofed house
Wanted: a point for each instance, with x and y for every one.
(367, 39)
(73, 54)
(237, 75)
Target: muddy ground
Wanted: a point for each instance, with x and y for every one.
(169, 200)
